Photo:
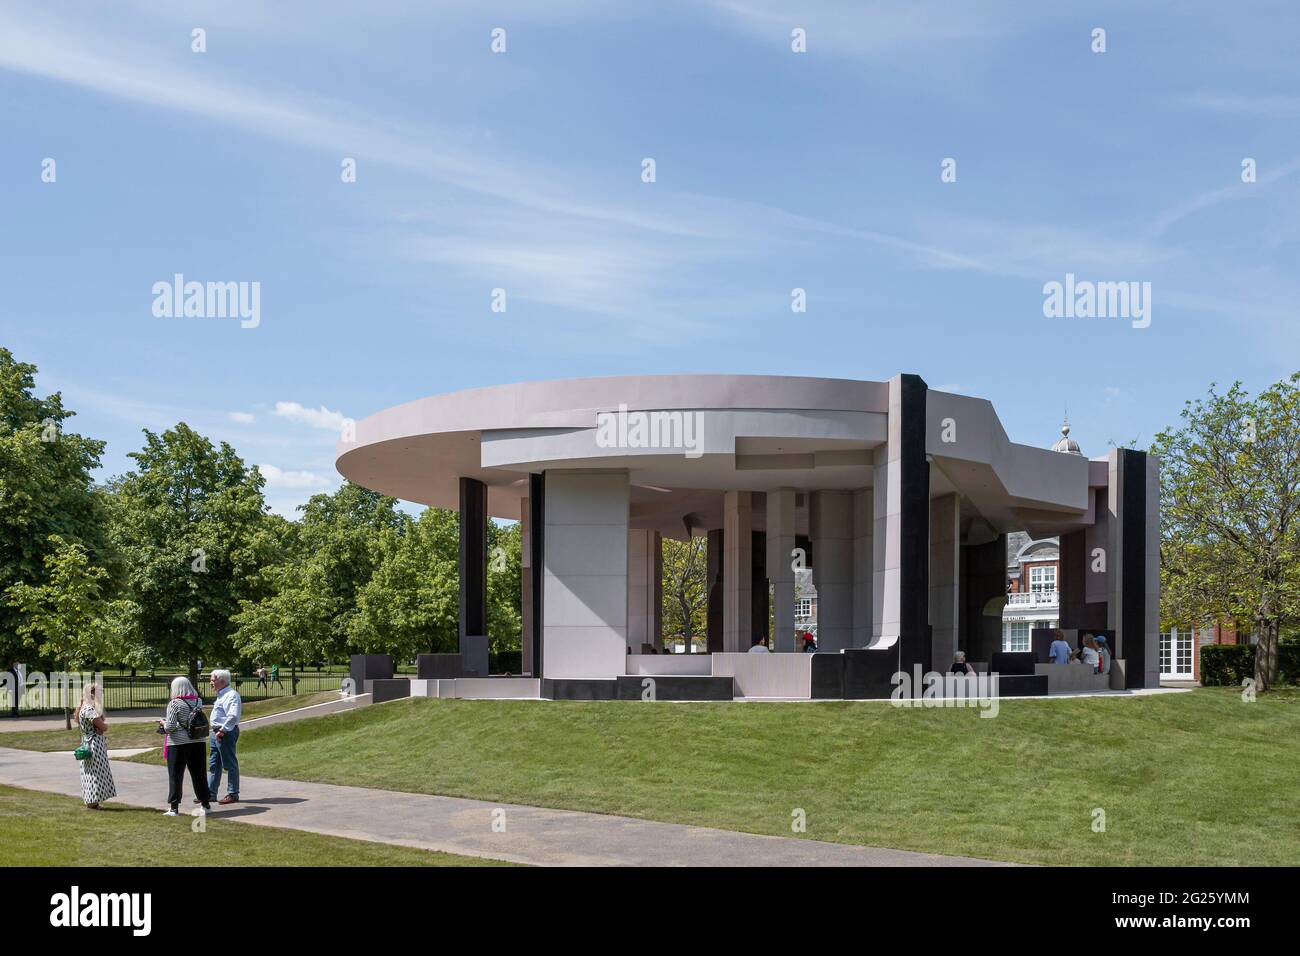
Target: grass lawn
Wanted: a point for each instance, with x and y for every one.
(49, 829)
(1197, 778)
(123, 735)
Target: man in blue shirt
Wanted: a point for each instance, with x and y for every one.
(225, 735)
(1060, 652)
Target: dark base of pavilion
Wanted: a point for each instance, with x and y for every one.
(857, 674)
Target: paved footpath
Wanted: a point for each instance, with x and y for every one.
(532, 834)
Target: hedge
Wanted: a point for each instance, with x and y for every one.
(1227, 665)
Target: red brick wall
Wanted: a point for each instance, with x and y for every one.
(1218, 634)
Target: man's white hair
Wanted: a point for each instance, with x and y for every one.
(221, 676)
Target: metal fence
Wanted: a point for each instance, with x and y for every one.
(51, 696)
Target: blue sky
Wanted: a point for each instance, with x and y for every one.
(522, 171)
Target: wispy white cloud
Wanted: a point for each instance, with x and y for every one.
(297, 480)
(1272, 106)
(321, 417)
(893, 28)
(242, 418)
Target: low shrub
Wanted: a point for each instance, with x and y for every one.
(1227, 665)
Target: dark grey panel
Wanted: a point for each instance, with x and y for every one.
(914, 546)
(572, 688)
(827, 676)
(473, 557)
(392, 689)
(438, 666)
(1011, 663)
(537, 555)
(676, 687)
(1022, 685)
(1133, 537)
(364, 667)
(868, 674)
(714, 584)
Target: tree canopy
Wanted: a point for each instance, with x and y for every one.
(46, 489)
(1230, 515)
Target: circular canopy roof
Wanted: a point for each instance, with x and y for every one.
(751, 432)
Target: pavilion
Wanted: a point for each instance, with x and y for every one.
(897, 496)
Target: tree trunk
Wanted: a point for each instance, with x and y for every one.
(1266, 657)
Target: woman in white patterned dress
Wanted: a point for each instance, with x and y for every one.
(96, 774)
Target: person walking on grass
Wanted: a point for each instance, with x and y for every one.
(226, 710)
(261, 676)
(275, 676)
(96, 772)
(186, 727)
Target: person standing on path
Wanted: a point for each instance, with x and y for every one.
(225, 736)
(182, 749)
(96, 772)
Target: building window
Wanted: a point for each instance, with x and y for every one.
(1015, 636)
(803, 607)
(1176, 650)
(1042, 579)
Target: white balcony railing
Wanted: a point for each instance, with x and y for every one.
(1033, 599)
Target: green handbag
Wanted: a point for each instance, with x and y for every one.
(82, 753)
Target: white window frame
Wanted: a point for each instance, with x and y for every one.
(1012, 638)
(1177, 652)
(1042, 579)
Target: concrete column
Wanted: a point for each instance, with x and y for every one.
(536, 577)
(780, 569)
(1096, 538)
(644, 590)
(1151, 537)
(473, 559)
(737, 561)
(525, 587)
(983, 596)
(1081, 606)
(1133, 564)
(863, 562)
(586, 582)
(900, 593)
(832, 533)
(714, 585)
(945, 591)
(758, 603)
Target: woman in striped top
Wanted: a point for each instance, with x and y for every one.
(181, 752)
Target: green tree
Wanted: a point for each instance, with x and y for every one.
(411, 604)
(685, 590)
(290, 624)
(65, 621)
(1230, 515)
(505, 621)
(190, 526)
(339, 533)
(46, 489)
